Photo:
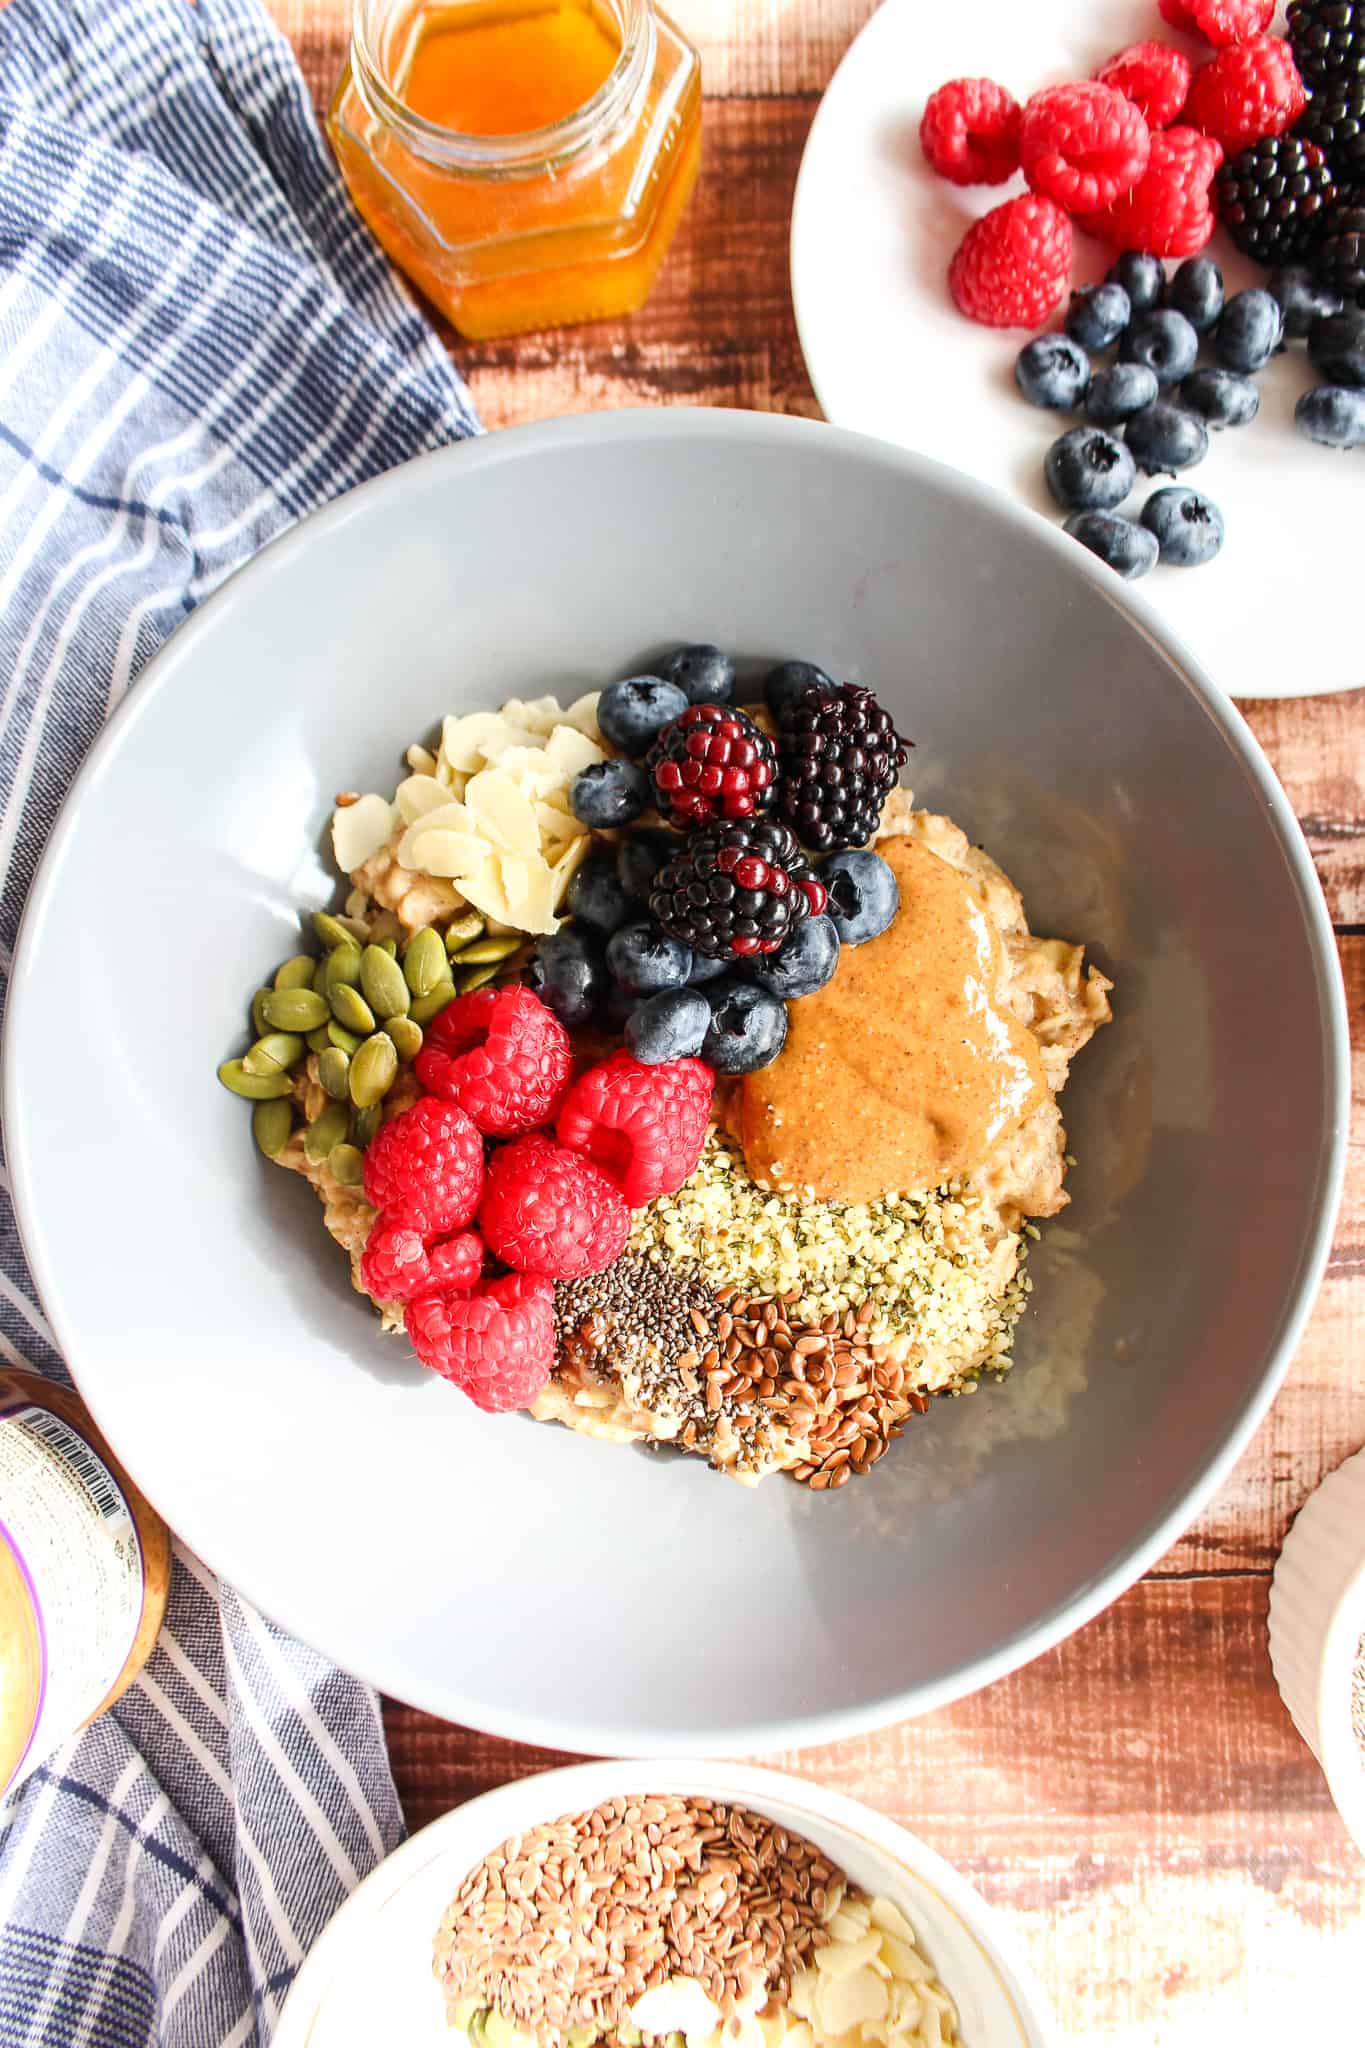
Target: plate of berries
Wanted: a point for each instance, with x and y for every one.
(1111, 260)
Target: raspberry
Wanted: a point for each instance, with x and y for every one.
(712, 762)
(502, 1055)
(1154, 76)
(1246, 93)
(1171, 212)
(550, 1211)
(642, 1125)
(970, 132)
(425, 1168)
(1082, 145)
(497, 1343)
(397, 1265)
(1220, 22)
(1013, 265)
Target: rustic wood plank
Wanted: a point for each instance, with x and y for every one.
(1317, 748)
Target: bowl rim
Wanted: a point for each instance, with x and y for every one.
(577, 1787)
(644, 427)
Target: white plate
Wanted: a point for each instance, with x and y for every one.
(368, 1980)
(872, 233)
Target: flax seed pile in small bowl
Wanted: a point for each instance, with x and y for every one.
(665, 1906)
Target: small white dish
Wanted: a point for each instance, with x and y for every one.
(872, 232)
(369, 1978)
(1317, 1620)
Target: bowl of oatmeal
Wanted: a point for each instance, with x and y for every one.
(979, 1232)
(643, 1905)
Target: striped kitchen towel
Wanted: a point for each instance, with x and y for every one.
(199, 342)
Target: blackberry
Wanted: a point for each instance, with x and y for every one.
(839, 758)
(712, 762)
(1328, 40)
(1335, 121)
(737, 889)
(1339, 260)
(1272, 199)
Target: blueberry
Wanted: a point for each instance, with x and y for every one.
(1336, 347)
(1221, 397)
(644, 959)
(1196, 290)
(1098, 314)
(1166, 437)
(610, 793)
(1165, 342)
(567, 973)
(669, 1026)
(1052, 372)
(632, 714)
(639, 857)
(595, 895)
(864, 895)
(1117, 393)
(1301, 299)
(748, 1027)
(705, 969)
(1143, 277)
(1187, 525)
(707, 675)
(1128, 549)
(785, 683)
(1332, 414)
(802, 964)
(1249, 331)
(1088, 470)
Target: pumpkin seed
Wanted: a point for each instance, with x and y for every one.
(274, 1054)
(581, 2036)
(320, 976)
(295, 1009)
(373, 1070)
(366, 1122)
(350, 1008)
(255, 1087)
(258, 1018)
(328, 1128)
(381, 977)
(490, 949)
(334, 1067)
(462, 931)
(344, 1040)
(477, 976)
(297, 972)
(424, 963)
(406, 1036)
(347, 1165)
(330, 930)
(271, 1126)
(427, 1007)
(319, 1040)
(343, 965)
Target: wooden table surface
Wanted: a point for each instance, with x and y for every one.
(1137, 1802)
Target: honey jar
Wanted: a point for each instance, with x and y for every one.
(526, 162)
(85, 1567)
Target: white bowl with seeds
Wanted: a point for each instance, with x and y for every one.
(657, 1905)
(1317, 1634)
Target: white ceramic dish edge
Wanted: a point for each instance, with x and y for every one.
(976, 1955)
(1317, 1618)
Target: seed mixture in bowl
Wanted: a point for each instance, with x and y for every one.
(672, 1919)
(667, 1074)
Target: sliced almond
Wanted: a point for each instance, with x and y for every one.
(529, 888)
(887, 1915)
(468, 742)
(449, 854)
(481, 885)
(537, 714)
(532, 769)
(851, 2000)
(447, 817)
(573, 750)
(418, 794)
(902, 1960)
(502, 813)
(565, 867)
(421, 760)
(842, 1958)
(678, 2007)
(582, 714)
(359, 830)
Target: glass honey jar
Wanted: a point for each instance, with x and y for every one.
(526, 162)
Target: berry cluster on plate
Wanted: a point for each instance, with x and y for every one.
(733, 862)
(1267, 136)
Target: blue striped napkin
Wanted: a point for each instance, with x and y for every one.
(199, 342)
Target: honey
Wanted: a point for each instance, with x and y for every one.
(526, 164)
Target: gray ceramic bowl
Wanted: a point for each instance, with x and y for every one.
(512, 1576)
